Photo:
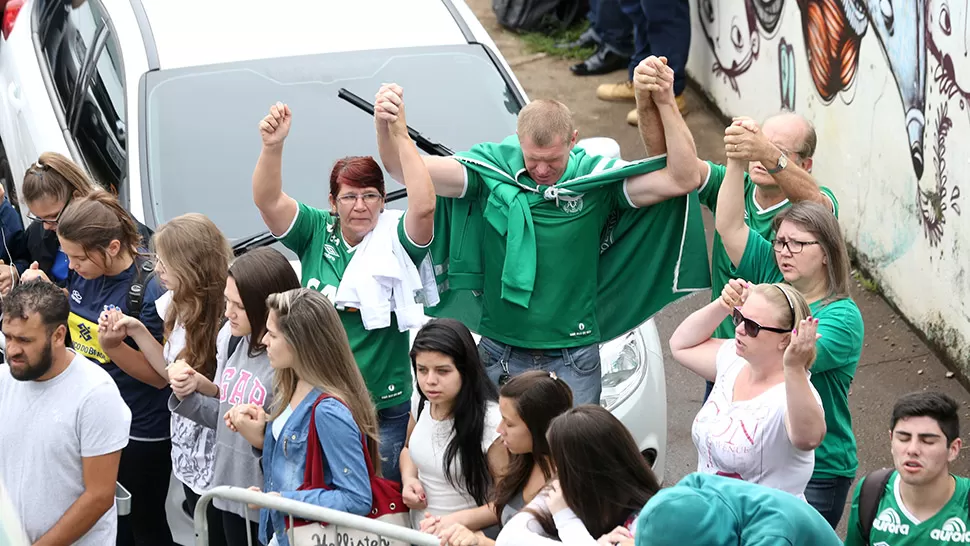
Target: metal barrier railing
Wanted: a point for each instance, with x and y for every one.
(304, 511)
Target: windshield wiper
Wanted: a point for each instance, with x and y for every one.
(265, 238)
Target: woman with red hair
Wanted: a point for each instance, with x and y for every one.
(340, 250)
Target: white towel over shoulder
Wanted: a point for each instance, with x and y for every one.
(381, 279)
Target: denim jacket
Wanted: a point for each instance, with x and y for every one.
(345, 469)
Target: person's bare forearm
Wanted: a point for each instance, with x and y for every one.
(268, 177)
(134, 363)
(681, 151)
(797, 183)
(651, 128)
(805, 417)
(387, 147)
(699, 326)
(729, 220)
(78, 520)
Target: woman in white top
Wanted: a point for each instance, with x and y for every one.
(192, 261)
(603, 483)
(764, 418)
(452, 453)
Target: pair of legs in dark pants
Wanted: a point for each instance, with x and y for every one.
(610, 27)
(393, 425)
(145, 470)
(662, 28)
(235, 529)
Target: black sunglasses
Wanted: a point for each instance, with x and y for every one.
(752, 328)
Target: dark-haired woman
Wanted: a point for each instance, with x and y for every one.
(244, 376)
(529, 403)
(603, 483)
(340, 250)
(452, 454)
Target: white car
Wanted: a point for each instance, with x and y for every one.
(160, 100)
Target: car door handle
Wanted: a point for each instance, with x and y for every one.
(13, 94)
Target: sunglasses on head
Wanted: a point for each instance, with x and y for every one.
(752, 328)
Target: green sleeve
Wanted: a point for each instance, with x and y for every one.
(758, 261)
(842, 329)
(308, 222)
(414, 250)
(708, 192)
(853, 535)
(831, 195)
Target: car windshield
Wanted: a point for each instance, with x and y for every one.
(202, 137)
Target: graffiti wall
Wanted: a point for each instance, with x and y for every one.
(887, 85)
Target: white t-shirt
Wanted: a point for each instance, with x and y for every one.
(193, 445)
(427, 446)
(46, 428)
(748, 439)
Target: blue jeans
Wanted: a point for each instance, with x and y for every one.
(579, 367)
(662, 28)
(610, 27)
(393, 425)
(828, 496)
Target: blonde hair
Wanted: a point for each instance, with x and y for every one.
(312, 327)
(57, 177)
(790, 306)
(542, 121)
(197, 254)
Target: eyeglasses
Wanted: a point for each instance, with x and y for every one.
(52, 223)
(351, 198)
(752, 328)
(792, 245)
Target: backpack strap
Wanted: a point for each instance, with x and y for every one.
(144, 271)
(873, 486)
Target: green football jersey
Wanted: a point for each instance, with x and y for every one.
(758, 219)
(896, 526)
(383, 354)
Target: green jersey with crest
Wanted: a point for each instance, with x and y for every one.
(895, 526)
(758, 219)
(383, 354)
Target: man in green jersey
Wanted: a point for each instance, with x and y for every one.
(546, 206)
(920, 503)
(326, 241)
(779, 156)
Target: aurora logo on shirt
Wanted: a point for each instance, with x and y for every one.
(889, 522)
(953, 530)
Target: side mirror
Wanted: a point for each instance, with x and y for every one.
(603, 146)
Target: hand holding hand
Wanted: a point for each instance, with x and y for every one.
(744, 141)
(276, 125)
(8, 274)
(389, 108)
(34, 272)
(184, 380)
(247, 418)
(801, 350)
(458, 535)
(653, 81)
(114, 326)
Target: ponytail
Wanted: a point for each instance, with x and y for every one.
(57, 177)
(93, 221)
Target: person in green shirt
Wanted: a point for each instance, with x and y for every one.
(809, 253)
(541, 248)
(326, 241)
(921, 502)
(779, 155)
(711, 510)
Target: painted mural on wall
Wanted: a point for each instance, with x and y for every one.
(925, 44)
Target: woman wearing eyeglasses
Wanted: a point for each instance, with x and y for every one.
(50, 184)
(808, 252)
(340, 252)
(763, 419)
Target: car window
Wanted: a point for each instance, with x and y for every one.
(67, 34)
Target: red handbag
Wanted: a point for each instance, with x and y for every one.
(387, 505)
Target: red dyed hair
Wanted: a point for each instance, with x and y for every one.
(358, 172)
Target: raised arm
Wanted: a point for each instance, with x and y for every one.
(729, 220)
(276, 208)
(447, 174)
(419, 221)
(680, 176)
(804, 417)
(691, 343)
(745, 141)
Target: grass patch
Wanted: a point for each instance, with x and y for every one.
(545, 42)
(869, 284)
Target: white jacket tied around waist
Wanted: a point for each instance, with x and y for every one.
(381, 279)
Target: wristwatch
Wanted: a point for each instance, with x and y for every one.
(782, 163)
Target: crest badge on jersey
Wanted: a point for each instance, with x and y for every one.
(571, 204)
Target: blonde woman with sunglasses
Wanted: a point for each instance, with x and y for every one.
(763, 419)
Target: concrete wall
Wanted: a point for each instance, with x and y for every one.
(887, 84)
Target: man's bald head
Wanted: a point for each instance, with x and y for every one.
(797, 132)
(545, 121)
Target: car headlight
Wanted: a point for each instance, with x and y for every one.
(624, 366)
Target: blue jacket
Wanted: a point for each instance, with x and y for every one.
(14, 245)
(345, 469)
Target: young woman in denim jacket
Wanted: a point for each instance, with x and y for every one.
(309, 351)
